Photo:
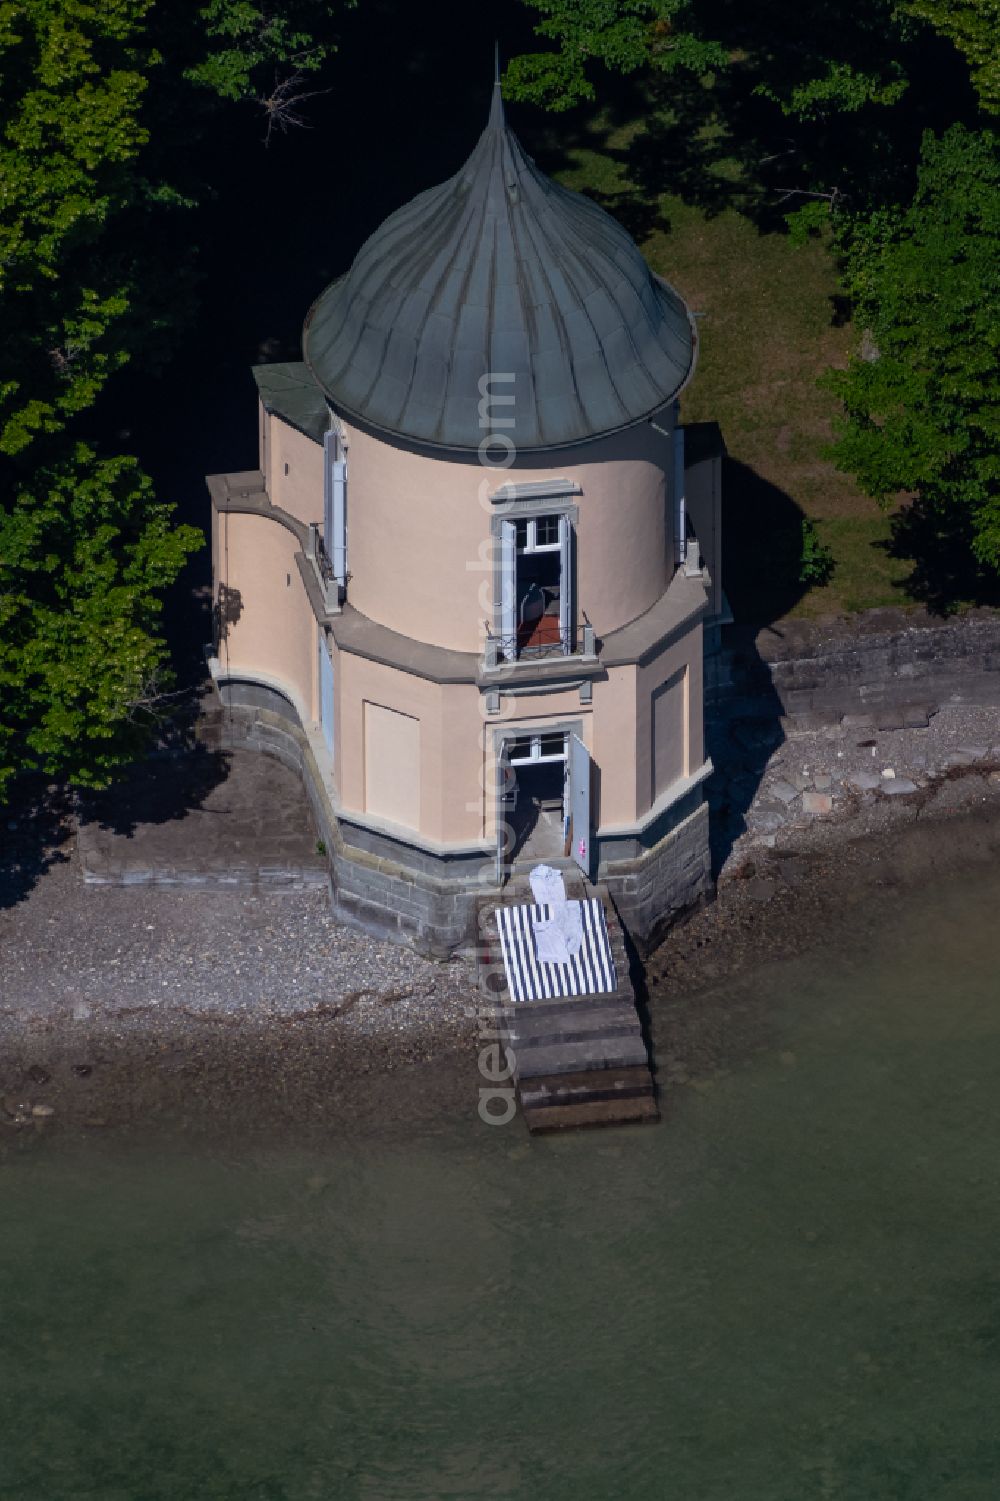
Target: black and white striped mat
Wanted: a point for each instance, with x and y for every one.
(591, 972)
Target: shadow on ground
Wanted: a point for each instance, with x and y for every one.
(762, 545)
(167, 786)
(34, 834)
(937, 541)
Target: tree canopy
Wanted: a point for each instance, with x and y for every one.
(102, 104)
(623, 35)
(922, 404)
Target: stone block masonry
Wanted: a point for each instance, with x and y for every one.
(437, 915)
(653, 890)
(881, 663)
(384, 897)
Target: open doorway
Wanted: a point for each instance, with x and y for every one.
(537, 804)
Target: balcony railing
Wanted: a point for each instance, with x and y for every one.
(320, 559)
(529, 645)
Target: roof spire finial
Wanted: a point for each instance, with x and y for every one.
(496, 108)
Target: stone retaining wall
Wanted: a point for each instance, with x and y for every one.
(880, 663)
(436, 917)
(675, 876)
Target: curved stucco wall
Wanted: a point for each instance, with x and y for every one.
(419, 548)
(292, 465)
(274, 635)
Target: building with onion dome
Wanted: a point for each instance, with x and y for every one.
(467, 589)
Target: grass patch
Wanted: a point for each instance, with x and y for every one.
(770, 324)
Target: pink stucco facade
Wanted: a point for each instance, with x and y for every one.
(406, 646)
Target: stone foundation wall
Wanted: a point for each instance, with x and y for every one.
(654, 889)
(368, 890)
(438, 916)
(880, 663)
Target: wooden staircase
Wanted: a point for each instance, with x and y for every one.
(577, 1062)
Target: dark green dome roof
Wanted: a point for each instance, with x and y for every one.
(499, 271)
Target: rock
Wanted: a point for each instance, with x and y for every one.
(888, 773)
(766, 821)
(898, 785)
(42, 1112)
(82, 1070)
(761, 889)
(37, 1074)
(974, 752)
(799, 781)
(822, 781)
(783, 791)
(817, 803)
(865, 781)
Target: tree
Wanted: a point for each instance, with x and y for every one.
(624, 35)
(974, 27)
(922, 405)
(85, 554)
(101, 105)
(822, 104)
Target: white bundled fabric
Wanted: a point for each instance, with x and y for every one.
(547, 886)
(557, 937)
(591, 971)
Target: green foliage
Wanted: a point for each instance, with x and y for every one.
(624, 35)
(72, 88)
(923, 408)
(245, 37)
(85, 553)
(816, 561)
(974, 28)
(838, 86)
(102, 107)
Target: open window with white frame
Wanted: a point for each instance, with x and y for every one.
(536, 615)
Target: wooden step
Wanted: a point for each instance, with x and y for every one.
(593, 1083)
(617, 1112)
(586, 1020)
(571, 1057)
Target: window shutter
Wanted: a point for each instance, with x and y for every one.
(579, 803)
(326, 695)
(338, 533)
(566, 583)
(507, 603)
(505, 805)
(329, 455)
(335, 505)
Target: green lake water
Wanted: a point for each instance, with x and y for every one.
(788, 1290)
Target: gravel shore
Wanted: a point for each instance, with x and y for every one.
(241, 1010)
(121, 1006)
